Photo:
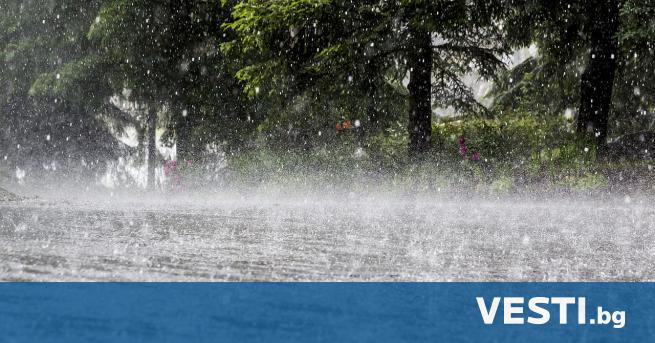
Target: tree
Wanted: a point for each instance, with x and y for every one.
(599, 38)
(133, 37)
(57, 132)
(597, 80)
(162, 60)
(167, 55)
(302, 44)
(634, 97)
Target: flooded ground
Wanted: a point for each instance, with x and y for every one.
(327, 238)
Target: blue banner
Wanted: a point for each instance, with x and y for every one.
(326, 312)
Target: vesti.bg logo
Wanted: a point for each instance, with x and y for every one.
(538, 311)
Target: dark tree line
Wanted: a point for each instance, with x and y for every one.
(231, 72)
(594, 56)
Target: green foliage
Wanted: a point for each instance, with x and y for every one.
(591, 182)
(389, 147)
(272, 83)
(528, 148)
(561, 31)
(634, 100)
(502, 184)
(164, 55)
(36, 39)
(537, 86)
(303, 49)
(517, 151)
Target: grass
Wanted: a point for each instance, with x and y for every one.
(517, 154)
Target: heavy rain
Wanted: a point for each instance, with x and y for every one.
(327, 140)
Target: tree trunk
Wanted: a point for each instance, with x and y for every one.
(152, 146)
(182, 138)
(370, 88)
(420, 92)
(598, 78)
